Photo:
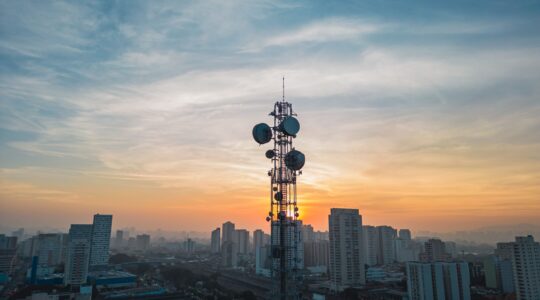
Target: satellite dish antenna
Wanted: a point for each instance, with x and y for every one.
(295, 160)
(289, 126)
(270, 154)
(262, 133)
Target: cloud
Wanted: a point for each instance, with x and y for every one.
(23, 192)
(325, 31)
(167, 97)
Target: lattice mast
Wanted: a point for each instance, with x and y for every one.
(283, 215)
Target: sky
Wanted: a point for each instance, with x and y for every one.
(423, 115)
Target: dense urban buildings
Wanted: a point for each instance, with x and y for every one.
(377, 262)
(346, 258)
(258, 239)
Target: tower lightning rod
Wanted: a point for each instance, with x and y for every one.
(283, 99)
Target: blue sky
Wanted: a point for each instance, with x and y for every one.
(402, 104)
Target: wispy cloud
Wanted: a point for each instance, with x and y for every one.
(325, 31)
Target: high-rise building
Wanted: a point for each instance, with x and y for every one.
(132, 243)
(316, 255)
(405, 251)
(498, 274)
(346, 257)
(526, 267)
(50, 249)
(439, 280)
(142, 242)
(263, 261)
(385, 245)
(119, 241)
(229, 254)
(215, 241)
(241, 238)
(258, 239)
(78, 255)
(7, 257)
(227, 232)
(504, 250)
(266, 239)
(434, 250)
(101, 238)
(8, 242)
(8, 246)
(189, 246)
(370, 244)
(321, 235)
(405, 234)
(307, 233)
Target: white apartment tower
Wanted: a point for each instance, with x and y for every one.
(526, 267)
(101, 238)
(346, 257)
(78, 254)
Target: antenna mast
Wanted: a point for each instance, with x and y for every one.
(286, 244)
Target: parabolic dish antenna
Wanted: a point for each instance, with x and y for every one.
(270, 154)
(262, 133)
(289, 126)
(295, 160)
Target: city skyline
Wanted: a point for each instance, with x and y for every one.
(426, 118)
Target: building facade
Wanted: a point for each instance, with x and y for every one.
(78, 255)
(439, 280)
(101, 238)
(227, 232)
(215, 240)
(385, 245)
(370, 242)
(526, 267)
(346, 257)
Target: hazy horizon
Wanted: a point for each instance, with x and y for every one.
(420, 116)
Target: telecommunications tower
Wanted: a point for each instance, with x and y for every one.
(283, 215)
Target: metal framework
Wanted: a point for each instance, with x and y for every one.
(283, 215)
